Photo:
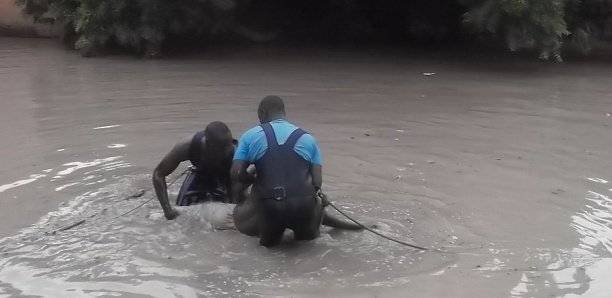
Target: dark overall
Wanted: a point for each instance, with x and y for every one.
(284, 187)
(202, 184)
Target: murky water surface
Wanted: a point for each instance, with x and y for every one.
(504, 166)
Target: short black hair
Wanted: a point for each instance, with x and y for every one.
(272, 104)
(217, 132)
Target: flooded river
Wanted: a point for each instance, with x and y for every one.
(505, 167)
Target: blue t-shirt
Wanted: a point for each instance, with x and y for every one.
(253, 144)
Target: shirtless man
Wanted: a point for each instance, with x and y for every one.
(210, 152)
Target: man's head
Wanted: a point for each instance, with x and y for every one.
(271, 108)
(218, 134)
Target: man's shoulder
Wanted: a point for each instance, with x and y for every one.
(181, 150)
(307, 138)
(252, 132)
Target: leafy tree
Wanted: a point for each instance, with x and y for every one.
(146, 26)
(522, 23)
(139, 25)
(588, 20)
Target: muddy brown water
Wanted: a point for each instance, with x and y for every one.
(504, 166)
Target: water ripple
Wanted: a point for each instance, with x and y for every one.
(143, 254)
(585, 269)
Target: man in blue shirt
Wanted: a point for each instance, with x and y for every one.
(288, 178)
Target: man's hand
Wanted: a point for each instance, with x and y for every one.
(252, 174)
(323, 197)
(172, 214)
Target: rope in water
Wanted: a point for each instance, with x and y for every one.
(82, 221)
(151, 199)
(375, 232)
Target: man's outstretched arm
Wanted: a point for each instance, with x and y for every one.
(241, 179)
(169, 163)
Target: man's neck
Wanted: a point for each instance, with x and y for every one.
(277, 118)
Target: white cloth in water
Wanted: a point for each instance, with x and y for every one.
(219, 215)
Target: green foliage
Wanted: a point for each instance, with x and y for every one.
(588, 20)
(139, 25)
(145, 26)
(523, 23)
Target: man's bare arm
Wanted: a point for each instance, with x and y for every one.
(241, 179)
(169, 163)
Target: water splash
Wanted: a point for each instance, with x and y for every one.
(585, 269)
(21, 182)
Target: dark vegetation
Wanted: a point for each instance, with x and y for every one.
(149, 27)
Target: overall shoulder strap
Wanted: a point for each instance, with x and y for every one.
(293, 138)
(270, 135)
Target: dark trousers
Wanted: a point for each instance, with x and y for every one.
(303, 215)
(201, 185)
